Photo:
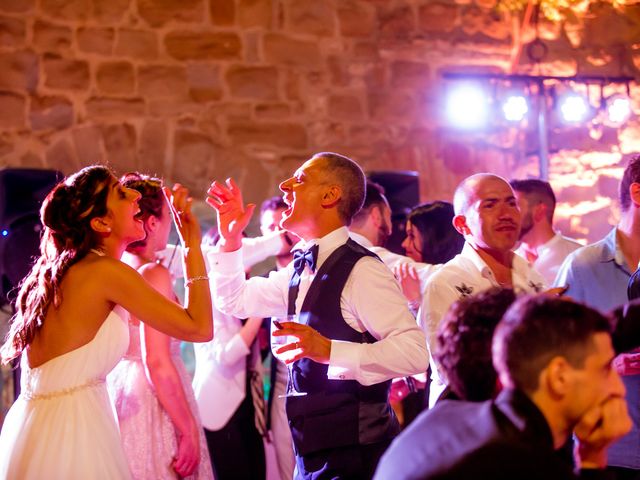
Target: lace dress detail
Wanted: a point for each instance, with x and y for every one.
(148, 435)
(62, 426)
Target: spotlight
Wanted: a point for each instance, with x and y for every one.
(575, 108)
(618, 109)
(515, 108)
(468, 106)
(4, 232)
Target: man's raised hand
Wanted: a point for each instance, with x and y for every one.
(233, 215)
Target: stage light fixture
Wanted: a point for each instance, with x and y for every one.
(4, 232)
(618, 109)
(468, 106)
(574, 108)
(515, 108)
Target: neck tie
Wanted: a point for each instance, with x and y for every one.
(257, 390)
(301, 259)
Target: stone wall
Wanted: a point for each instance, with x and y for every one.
(200, 89)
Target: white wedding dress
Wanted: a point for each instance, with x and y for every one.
(63, 426)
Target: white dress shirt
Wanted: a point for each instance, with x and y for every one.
(255, 251)
(219, 381)
(391, 259)
(370, 301)
(551, 255)
(464, 275)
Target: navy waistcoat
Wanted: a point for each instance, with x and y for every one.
(336, 413)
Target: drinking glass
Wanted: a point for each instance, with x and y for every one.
(276, 343)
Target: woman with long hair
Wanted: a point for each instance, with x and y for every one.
(159, 424)
(431, 237)
(70, 328)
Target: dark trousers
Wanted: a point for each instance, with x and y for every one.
(236, 450)
(356, 462)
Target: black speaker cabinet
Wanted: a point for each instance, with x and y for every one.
(21, 194)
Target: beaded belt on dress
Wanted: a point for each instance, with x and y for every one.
(30, 396)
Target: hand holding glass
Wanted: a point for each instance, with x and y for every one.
(279, 341)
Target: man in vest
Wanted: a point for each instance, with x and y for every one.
(355, 332)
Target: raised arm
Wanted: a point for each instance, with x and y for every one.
(233, 215)
(122, 285)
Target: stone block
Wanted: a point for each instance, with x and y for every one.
(50, 37)
(292, 135)
(606, 26)
(120, 145)
(396, 21)
(438, 17)
(328, 136)
(311, 17)
(203, 45)
(409, 74)
(204, 81)
(16, 6)
(458, 158)
(152, 149)
(19, 71)
(13, 108)
(96, 40)
(194, 157)
(272, 111)
(366, 52)
(357, 18)
(223, 12)
(110, 11)
(59, 156)
(284, 50)
(12, 32)
(139, 44)
(66, 9)
(162, 81)
(50, 113)
(87, 141)
(158, 13)
(115, 78)
(106, 107)
(65, 74)
(31, 160)
(345, 107)
(254, 13)
(178, 106)
(260, 83)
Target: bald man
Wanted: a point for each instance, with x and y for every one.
(487, 215)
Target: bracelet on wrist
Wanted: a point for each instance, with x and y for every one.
(189, 281)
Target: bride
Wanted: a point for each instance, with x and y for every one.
(70, 331)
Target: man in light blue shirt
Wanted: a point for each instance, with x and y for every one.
(598, 275)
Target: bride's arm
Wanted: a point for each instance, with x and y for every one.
(122, 285)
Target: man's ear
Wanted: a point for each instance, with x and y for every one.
(558, 376)
(100, 225)
(331, 196)
(376, 216)
(634, 193)
(539, 212)
(460, 224)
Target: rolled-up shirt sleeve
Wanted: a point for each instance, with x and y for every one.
(373, 301)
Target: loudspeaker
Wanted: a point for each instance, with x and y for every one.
(21, 194)
(402, 189)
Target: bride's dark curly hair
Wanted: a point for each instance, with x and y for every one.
(67, 237)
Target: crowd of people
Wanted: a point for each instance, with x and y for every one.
(505, 349)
